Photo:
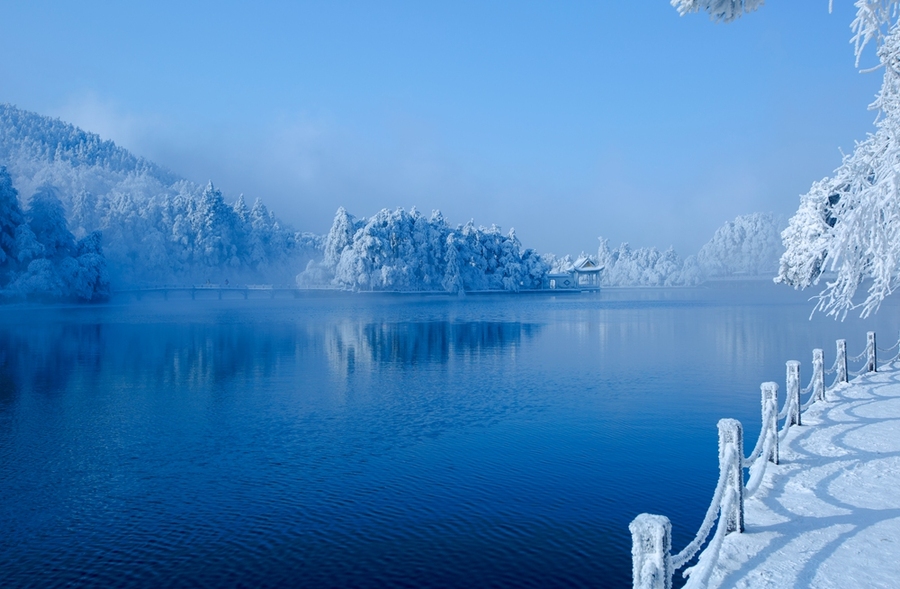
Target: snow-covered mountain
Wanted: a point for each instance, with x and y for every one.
(159, 228)
(156, 227)
(39, 150)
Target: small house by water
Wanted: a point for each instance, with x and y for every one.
(584, 273)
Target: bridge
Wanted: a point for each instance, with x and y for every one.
(218, 291)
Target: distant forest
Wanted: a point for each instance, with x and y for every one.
(81, 217)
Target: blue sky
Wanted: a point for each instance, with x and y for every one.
(565, 120)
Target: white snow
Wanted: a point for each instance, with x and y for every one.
(406, 251)
(829, 514)
(719, 10)
(156, 227)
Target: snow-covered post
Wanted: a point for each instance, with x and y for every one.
(651, 552)
(871, 364)
(731, 453)
(770, 417)
(793, 392)
(819, 374)
(841, 361)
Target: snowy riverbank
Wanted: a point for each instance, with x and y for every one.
(829, 514)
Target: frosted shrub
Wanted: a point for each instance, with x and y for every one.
(406, 251)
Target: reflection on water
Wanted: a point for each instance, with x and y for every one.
(367, 344)
(47, 356)
(500, 441)
(50, 356)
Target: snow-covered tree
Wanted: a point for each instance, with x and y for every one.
(401, 251)
(339, 237)
(848, 224)
(47, 220)
(89, 279)
(452, 281)
(749, 245)
(718, 10)
(156, 227)
(41, 259)
(10, 219)
(214, 228)
(646, 266)
(27, 246)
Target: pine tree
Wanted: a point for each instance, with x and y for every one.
(339, 237)
(47, 219)
(452, 281)
(10, 219)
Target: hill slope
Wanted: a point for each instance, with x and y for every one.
(156, 226)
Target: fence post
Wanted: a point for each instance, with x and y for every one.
(651, 552)
(793, 392)
(841, 360)
(871, 364)
(770, 416)
(731, 455)
(819, 374)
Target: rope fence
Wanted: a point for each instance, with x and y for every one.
(896, 345)
(653, 564)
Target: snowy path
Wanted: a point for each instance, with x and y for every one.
(829, 514)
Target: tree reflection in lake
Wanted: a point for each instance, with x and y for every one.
(257, 443)
(351, 345)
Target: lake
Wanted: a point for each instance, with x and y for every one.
(379, 441)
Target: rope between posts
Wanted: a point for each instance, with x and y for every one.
(682, 558)
(808, 402)
(785, 413)
(698, 574)
(889, 349)
(834, 383)
(894, 359)
(757, 471)
(760, 442)
(727, 493)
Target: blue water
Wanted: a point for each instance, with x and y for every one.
(366, 441)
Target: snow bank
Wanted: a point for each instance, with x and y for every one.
(829, 514)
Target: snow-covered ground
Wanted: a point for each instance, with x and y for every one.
(829, 514)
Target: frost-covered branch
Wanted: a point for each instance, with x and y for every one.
(872, 21)
(849, 224)
(718, 10)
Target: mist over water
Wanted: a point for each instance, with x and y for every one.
(378, 441)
